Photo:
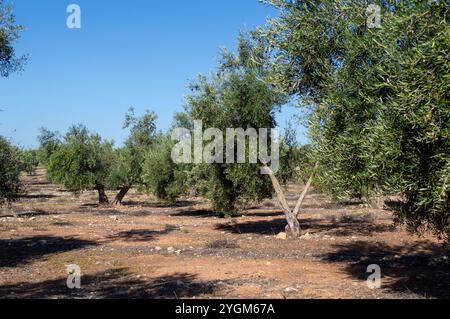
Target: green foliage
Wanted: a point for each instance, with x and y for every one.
(182, 120)
(9, 34)
(414, 119)
(289, 155)
(10, 168)
(162, 177)
(237, 97)
(30, 161)
(143, 129)
(379, 98)
(126, 169)
(306, 164)
(49, 142)
(82, 162)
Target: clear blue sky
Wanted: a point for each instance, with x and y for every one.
(139, 53)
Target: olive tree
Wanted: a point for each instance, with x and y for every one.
(235, 97)
(377, 97)
(10, 163)
(10, 168)
(49, 142)
(30, 161)
(126, 170)
(9, 34)
(162, 176)
(82, 162)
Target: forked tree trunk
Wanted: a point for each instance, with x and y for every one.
(102, 197)
(119, 197)
(293, 229)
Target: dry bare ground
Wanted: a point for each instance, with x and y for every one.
(146, 249)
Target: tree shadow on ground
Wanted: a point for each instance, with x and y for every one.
(264, 214)
(358, 229)
(38, 182)
(16, 252)
(325, 203)
(27, 214)
(116, 212)
(37, 196)
(92, 205)
(201, 213)
(422, 268)
(138, 235)
(177, 204)
(275, 226)
(62, 224)
(115, 284)
(262, 227)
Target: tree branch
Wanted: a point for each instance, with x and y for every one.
(305, 191)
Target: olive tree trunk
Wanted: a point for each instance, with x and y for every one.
(293, 228)
(102, 197)
(119, 197)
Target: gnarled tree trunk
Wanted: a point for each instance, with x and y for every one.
(102, 197)
(119, 197)
(293, 229)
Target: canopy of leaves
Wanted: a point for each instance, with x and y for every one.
(162, 177)
(49, 142)
(236, 97)
(29, 160)
(290, 158)
(82, 162)
(9, 34)
(142, 129)
(10, 168)
(126, 169)
(379, 98)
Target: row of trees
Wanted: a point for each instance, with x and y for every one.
(236, 96)
(81, 160)
(14, 161)
(10, 163)
(376, 100)
(10, 168)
